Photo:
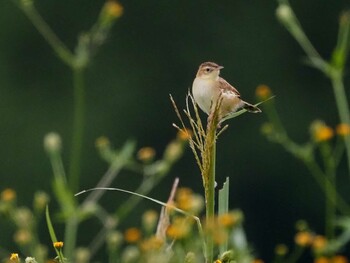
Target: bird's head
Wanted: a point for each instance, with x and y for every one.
(209, 70)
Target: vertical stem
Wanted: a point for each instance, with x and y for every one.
(70, 236)
(209, 178)
(210, 200)
(78, 128)
(330, 210)
(342, 105)
(330, 188)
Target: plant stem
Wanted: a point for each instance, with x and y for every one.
(342, 104)
(56, 44)
(327, 187)
(70, 235)
(210, 201)
(209, 178)
(330, 174)
(78, 128)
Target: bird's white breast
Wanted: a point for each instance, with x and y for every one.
(203, 93)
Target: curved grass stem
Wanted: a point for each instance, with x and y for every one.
(44, 29)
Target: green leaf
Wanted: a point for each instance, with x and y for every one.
(49, 225)
(224, 194)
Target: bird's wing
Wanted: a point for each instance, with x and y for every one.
(225, 86)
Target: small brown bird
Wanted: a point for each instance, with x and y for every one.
(207, 87)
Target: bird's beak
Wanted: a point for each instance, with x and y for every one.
(220, 67)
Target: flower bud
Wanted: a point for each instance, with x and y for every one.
(82, 255)
(41, 199)
(284, 13)
(114, 239)
(30, 260)
(14, 257)
(320, 132)
(8, 195)
(281, 250)
(343, 129)
(263, 92)
(146, 154)
(190, 258)
(52, 142)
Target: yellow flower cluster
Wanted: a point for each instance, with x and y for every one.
(58, 244)
(114, 8)
(303, 238)
(263, 92)
(132, 235)
(14, 257)
(146, 154)
(152, 243)
(343, 129)
(322, 132)
(180, 228)
(188, 201)
(335, 259)
(8, 195)
(307, 239)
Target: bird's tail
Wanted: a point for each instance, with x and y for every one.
(251, 108)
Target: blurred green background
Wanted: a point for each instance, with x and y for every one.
(155, 49)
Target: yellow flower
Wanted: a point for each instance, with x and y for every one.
(340, 259)
(8, 195)
(183, 198)
(321, 132)
(149, 220)
(14, 257)
(180, 228)
(23, 237)
(146, 154)
(343, 129)
(303, 238)
(58, 244)
(263, 92)
(102, 142)
(281, 250)
(153, 243)
(114, 8)
(319, 243)
(321, 260)
(218, 261)
(229, 219)
(220, 236)
(132, 235)
(267, 129)
(187, 200)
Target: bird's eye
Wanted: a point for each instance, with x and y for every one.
(207, 70)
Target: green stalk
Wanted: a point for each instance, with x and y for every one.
(209, 177)
(70, 236)
(330, 174)
(327, 187)
(210, 200)
(78, 128)
(39, 23)
(342, 104)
